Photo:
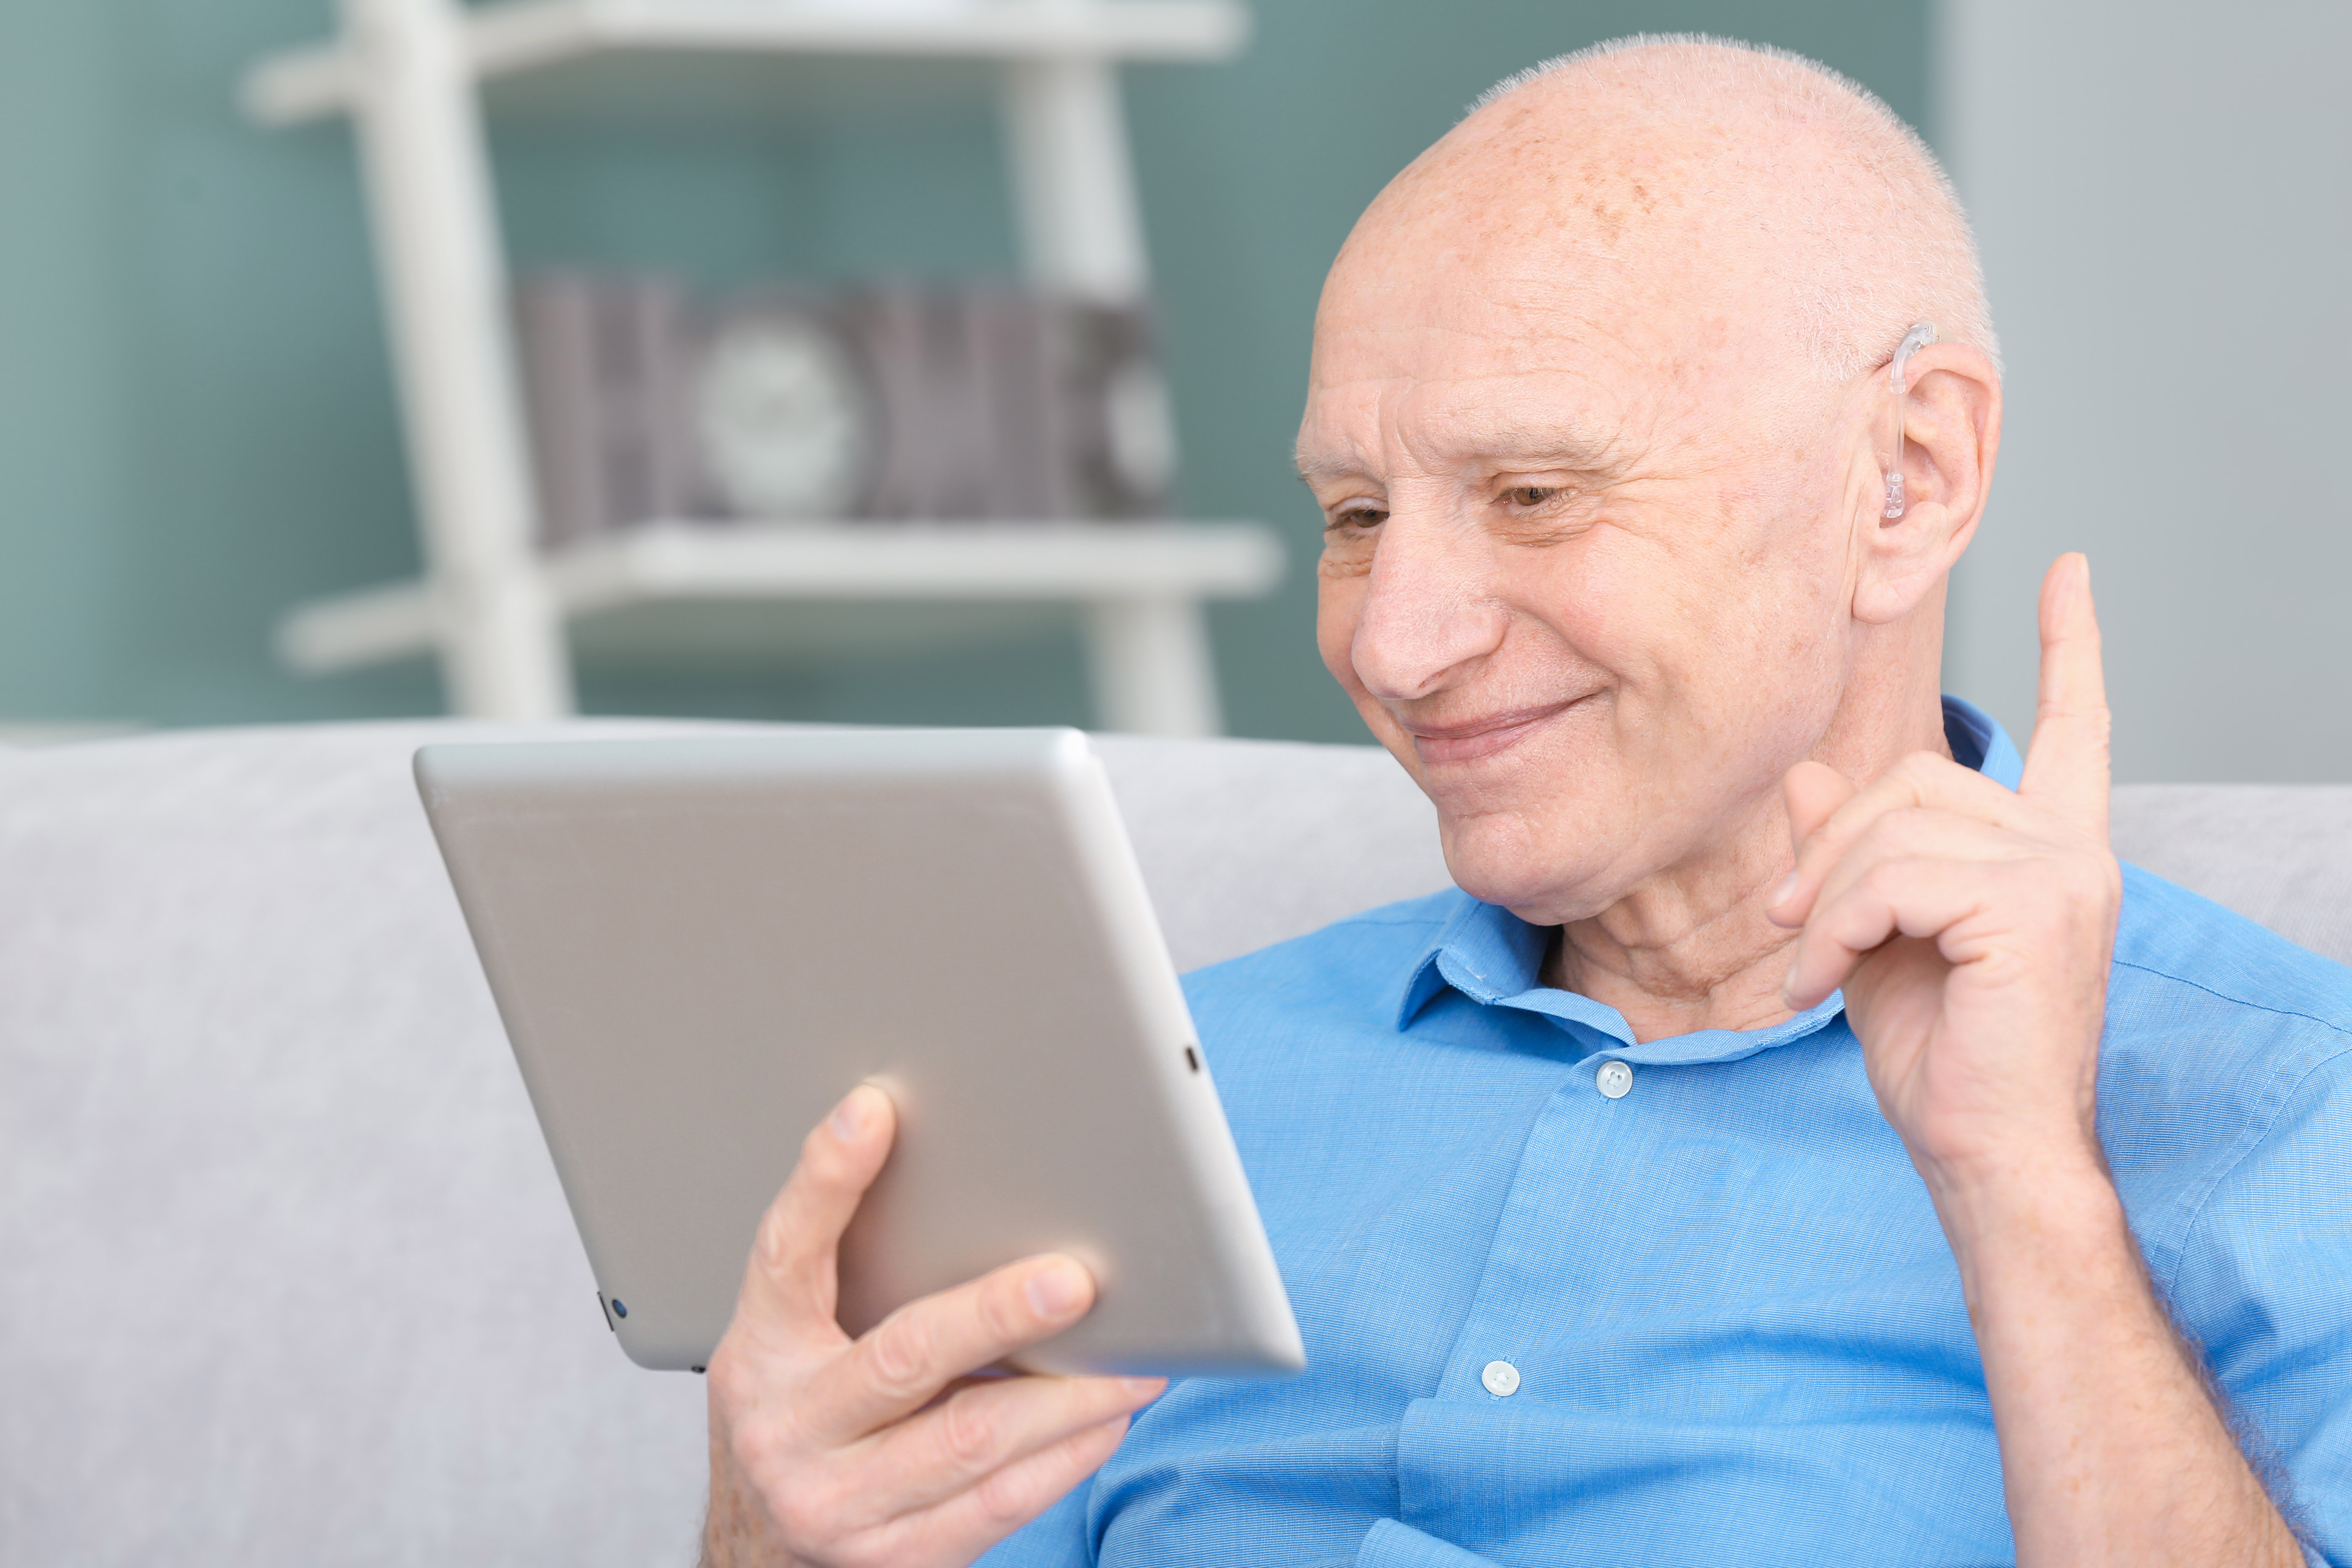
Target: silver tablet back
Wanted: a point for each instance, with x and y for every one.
(698, 945)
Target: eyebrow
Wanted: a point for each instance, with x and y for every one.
(1502, 444)
(1326, 467)
(1546, 446)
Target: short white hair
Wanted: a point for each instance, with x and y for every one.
(1915, 256)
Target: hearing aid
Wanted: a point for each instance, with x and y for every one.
(1917, 338)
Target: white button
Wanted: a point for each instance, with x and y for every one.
(1614, 1079)
(1501, 1378)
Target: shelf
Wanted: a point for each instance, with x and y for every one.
(518, 36)
(680, 564)
(506, 625)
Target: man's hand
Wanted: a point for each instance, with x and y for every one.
(1971, 927)
(1972, 930)
(826, 1449)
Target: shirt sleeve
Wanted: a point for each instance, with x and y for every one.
(2261, 1285)
(1389, 1545)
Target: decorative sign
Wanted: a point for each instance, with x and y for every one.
(795, 405)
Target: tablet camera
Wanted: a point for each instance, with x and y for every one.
(620, 1307)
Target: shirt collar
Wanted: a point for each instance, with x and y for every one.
(1491, 956)
(1980, 743)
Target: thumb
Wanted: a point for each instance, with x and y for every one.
(1815, 791)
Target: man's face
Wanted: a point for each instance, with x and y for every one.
(1589, 552)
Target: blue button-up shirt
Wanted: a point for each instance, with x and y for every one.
(1736, 1327)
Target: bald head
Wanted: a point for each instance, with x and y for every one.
(1599, 422)
(1743, 178)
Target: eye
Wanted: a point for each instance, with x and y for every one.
(1529, 497)
(1357, 515)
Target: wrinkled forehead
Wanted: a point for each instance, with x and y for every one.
(1620, 268)
(1455, 354)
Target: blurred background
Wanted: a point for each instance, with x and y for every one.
(200, 431)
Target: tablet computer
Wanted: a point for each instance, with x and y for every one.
(698, 944)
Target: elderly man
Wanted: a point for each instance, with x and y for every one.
(1649, 1200)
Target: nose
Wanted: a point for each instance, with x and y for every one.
(1430, 612)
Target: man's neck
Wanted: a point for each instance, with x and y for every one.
(1690, 947)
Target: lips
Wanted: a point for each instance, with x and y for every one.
(1470, 739)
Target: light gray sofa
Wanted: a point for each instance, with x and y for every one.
(285, 1277)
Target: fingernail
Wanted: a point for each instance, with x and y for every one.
(1144, 1387)
(847, 1116)
(1781, 894)
(1788, 986)
(1055, 1291)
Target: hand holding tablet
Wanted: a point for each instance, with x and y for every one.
(831, 1449)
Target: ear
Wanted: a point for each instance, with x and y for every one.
(1951, 430)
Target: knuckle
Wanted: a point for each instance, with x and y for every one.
(1002, 1498)
(899, 1355)
(771, 1248)
(968, 1433)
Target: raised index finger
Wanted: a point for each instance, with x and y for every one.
(2066, 765)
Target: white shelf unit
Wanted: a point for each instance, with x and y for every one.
(410, 73)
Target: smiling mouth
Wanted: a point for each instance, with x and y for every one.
(1476, 738)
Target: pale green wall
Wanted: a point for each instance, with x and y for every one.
(196, 420)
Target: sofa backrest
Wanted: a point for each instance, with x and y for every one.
(2278, 854)
(285, 1276)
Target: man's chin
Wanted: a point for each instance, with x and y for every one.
(1496, 860)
